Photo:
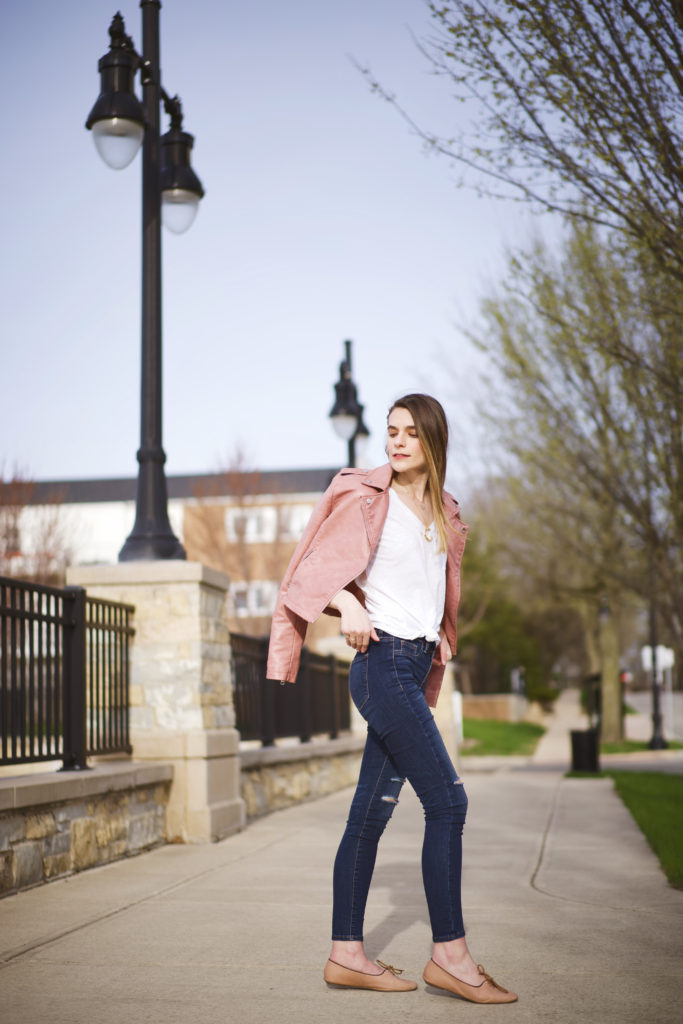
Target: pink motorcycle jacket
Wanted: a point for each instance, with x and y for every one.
(335, 549)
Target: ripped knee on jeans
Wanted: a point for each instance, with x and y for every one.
(388, 798)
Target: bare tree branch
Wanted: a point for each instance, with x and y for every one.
(576, 106)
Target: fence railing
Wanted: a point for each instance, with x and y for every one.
(64, 674)
(319, 702)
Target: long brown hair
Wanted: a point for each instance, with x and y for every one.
(431, 426)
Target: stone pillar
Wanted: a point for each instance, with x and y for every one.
(181, 692)
(445, 718)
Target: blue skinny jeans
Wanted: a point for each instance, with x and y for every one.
(387, 686)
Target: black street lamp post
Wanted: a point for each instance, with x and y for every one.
(657, 741)
(347, 412)
(119, 123)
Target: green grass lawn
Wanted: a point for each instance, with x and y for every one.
(488, 737)
(655, 799)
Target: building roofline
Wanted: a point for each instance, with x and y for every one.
(194, 485)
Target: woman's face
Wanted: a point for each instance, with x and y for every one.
(403, 445)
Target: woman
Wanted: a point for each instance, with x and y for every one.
(383, 550)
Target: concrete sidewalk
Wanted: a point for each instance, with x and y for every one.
(554, 751)
(564, 902)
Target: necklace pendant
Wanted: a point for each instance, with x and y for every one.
(426, 534)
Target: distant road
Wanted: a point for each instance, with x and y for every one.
(671, 708)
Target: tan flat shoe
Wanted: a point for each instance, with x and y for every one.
(387, 981)
(487, 991)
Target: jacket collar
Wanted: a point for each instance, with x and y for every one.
(451, 507)
(380, 479)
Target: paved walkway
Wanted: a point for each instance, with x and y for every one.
(564, 902)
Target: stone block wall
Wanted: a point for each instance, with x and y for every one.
(53, 826)
(272, 778)
(277, 777)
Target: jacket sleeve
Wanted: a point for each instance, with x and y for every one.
(288, 630)
(456, 546)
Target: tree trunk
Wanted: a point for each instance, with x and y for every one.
(612, 727)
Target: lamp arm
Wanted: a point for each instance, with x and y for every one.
(172, 105)
(174, 109)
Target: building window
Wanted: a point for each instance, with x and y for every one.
(262, 597)
(256, 598)
(253, 525)
(240, 599)
(293, 520)
(12, 540)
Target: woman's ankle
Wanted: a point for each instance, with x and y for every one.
(454, 956)
(352, 955)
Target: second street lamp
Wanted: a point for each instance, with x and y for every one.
(181, 189)
(347, 412)
(119, 123)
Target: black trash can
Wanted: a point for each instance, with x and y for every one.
(585, 750)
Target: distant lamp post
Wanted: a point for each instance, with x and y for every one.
(120, 123)
(657, 741)
(347, 412)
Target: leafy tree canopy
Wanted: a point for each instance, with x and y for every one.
(588, 407)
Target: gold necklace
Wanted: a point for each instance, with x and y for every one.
(426, 534)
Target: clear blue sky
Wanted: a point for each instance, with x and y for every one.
(324, 219)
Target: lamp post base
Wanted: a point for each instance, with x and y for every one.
(152, 538)
(151, 548)
(657, 742)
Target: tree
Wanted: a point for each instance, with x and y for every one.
(573, 105)
(559, 595)
(528, 620)
(34, 541)
(15, 494)
(249, 559)
(588, 408)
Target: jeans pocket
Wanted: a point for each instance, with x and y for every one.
(359, 686)
(411, 666)
(409, 649)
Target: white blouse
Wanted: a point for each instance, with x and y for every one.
(405, 583)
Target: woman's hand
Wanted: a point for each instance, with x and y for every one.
(445, 653)
(355, 622)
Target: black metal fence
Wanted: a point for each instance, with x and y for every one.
(64, 674)
(319, 702)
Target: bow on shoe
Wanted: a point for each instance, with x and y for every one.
(487, 977)
(388, 967)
